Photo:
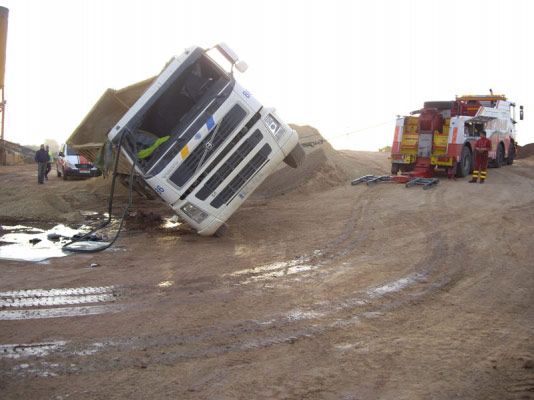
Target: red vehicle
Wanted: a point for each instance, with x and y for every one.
(442, 135)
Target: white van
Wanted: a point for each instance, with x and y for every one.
(70, 163)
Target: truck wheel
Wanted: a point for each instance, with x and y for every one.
(296, 157)
(499, 158)
(395, 169)
(511, 154)
(463, 168)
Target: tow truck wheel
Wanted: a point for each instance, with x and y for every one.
(395, 169)
(499, 158)
(464, 165)
(511, 154)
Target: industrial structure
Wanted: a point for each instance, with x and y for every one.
(4, 13)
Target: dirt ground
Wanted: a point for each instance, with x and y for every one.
(319, 290)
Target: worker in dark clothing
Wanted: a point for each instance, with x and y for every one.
(49, 162)
(482, 148)
(41, 158)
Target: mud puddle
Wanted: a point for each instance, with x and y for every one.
(28, 243)
(34, 244)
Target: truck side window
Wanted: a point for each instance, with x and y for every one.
(469, 129)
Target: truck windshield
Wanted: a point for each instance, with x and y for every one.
(194, 86)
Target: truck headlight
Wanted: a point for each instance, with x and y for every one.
(193, 212)
(274, 126)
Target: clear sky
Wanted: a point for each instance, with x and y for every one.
(345, 67)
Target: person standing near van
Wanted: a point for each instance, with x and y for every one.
(41, 158)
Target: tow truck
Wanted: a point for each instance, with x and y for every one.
(441, 135)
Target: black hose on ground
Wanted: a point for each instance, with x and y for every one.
(110, 209)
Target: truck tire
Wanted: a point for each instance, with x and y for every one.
(395, 168)
(296, 157)
(463, 168)
(511, 154)
(499, 157)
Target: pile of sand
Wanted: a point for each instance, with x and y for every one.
(323, 167)
(525, 151)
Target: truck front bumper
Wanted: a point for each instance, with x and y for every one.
(83, 172)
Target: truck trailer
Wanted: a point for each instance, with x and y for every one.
(441, 135)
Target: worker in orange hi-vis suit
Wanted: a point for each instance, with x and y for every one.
(482, 147)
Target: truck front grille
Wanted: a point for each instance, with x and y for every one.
(229, 165)
(252, 167)
(208, 146)
(226, 150)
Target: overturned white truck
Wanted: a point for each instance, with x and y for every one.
(195, 136)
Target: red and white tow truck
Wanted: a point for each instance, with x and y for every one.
(442, 135)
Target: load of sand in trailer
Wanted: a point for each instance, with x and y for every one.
(89, 137)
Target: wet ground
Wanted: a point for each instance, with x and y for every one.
(26, 243)
(346, 293)
(40, 244)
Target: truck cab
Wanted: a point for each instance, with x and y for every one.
(201, 141)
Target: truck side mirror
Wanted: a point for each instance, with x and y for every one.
(241, 66)
(227, 52)
(521, 113)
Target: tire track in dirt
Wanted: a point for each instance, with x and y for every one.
(313, 319)
(289, 327)
(44, 303)
(354, 233)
